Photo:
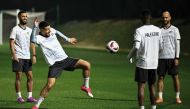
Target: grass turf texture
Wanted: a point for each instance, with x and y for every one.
(112, 83)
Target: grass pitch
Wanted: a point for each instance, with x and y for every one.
(112, 82)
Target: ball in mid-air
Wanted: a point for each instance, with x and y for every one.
(112, 46)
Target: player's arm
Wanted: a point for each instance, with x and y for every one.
(70, 40)
(12, 44)
(133, 51)
(136, 45)
(177, 47)
(33, 38)
(12, 47)
(33, 49)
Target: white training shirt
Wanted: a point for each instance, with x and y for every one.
(22, 41)
(169, 36)
(150, 40)
(51, 48)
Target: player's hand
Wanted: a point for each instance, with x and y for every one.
(176, 62)
(36, 22)
(73, 40)
(131, 60)
(33, 59)
(15, 58)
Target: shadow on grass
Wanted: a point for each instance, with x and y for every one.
(6, 104)
(102, 99)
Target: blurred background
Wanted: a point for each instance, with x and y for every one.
(95, 22)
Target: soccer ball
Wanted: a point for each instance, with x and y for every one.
(112, 46)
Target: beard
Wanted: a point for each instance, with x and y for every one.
(23, 22)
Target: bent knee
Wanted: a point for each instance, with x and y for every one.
(87, 65)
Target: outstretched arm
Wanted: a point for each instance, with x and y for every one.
(70, 40)
(33, 38)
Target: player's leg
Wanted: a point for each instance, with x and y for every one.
(29, 76)
(27, 68)
(160, 88)
(151, 83)
(44, 92)
(85, 66)
(141, 87)
(174, 72)
(17, 86)
(176, 84)
(161, 71)
(141, 76)
(17, 68)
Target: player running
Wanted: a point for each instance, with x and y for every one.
(20, 50)
(57, 59)
(169, 57)
(147, 43)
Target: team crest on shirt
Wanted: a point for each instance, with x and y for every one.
(28, 33)
(170, 31)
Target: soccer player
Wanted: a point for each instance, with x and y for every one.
(57, 59)
(169, 57)
(147, 43)
(21, 60)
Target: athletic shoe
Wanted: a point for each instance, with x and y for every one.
(31, 99)
(87, 90)
(34, 107)
(159, 100)
(20, 100)
(178, 101)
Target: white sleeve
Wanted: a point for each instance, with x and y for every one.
(62, 35)
(177, 34)
(177, 49)
(137, 39)
(13, 34)
(177, 43)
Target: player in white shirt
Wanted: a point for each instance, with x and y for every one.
(20, 50)
(147, 43)
(57, 59)
(169, 57)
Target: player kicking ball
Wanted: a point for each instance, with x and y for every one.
(57, 59)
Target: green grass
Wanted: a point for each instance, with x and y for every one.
(112, 83)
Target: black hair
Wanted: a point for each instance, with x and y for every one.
(43, 24)
(22, 11)
(145, 13)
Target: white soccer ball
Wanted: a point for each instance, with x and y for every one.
(112, 46)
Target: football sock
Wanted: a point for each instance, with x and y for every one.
(18, 94)
(142, 107)
(29, 94)
(160, 94)
(153, 107)
(86, 82)
(177, 94)
(40, 100)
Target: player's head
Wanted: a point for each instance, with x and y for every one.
(166, 17)
(146, 16)
(44, 28)
(23, 17)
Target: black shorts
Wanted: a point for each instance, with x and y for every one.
(167, 66)
(143, 75)
(24, 65)
(66, 64)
